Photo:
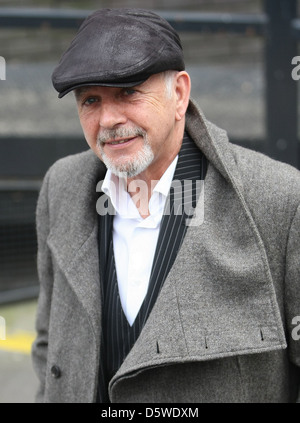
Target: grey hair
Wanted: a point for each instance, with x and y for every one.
(169, 77)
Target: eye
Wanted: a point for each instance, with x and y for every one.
(89, 101)
(129, 91)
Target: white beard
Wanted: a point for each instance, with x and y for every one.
(133, 166)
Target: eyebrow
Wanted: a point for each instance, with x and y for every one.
(80, 91)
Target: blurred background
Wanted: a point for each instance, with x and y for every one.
(238, 53)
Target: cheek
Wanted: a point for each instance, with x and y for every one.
(162, 120)
(90, 129)
(150, 120)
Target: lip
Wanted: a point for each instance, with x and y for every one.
(120, 143)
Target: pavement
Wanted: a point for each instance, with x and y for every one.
(18, 382)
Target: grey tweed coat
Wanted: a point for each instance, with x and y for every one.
(224, 317)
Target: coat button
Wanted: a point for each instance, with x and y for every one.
(55, 372)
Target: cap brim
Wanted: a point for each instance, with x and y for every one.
(102, 84)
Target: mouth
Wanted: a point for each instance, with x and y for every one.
(119, 143)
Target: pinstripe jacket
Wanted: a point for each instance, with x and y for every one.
(226, 318)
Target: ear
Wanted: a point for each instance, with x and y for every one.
(183, 90)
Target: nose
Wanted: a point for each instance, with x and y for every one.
(111, 114)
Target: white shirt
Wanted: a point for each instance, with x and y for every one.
(135, 238)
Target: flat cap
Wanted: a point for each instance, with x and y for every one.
(118, 48)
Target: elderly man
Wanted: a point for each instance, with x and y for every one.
(156, 287)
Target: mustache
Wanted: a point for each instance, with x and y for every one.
(112, 134)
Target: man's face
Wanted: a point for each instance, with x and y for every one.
(133, 130)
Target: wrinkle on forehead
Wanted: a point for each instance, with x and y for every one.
(80, 91)
(165, 76)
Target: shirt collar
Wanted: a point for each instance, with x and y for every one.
(116, 188)
(164, 184)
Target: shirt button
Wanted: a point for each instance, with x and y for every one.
(55, 372)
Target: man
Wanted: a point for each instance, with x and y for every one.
(156, 287)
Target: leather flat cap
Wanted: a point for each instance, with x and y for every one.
(118, 48)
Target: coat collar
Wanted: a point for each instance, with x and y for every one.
(213, 142)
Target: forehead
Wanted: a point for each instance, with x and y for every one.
(79, 92)
(152, 82)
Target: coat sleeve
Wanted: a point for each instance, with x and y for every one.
(292, 281)
(45, 273)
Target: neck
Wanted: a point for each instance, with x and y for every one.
(141, 187)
